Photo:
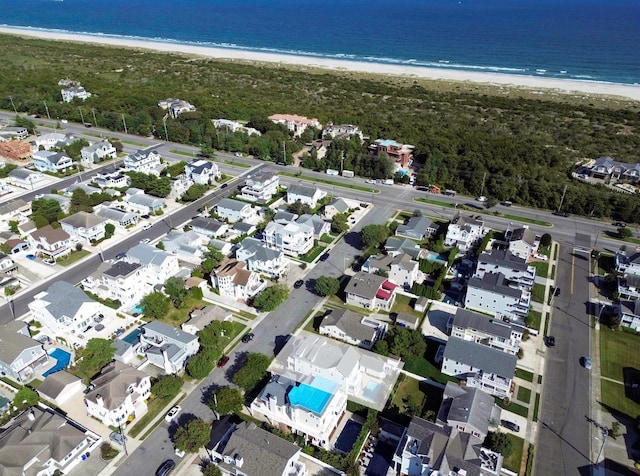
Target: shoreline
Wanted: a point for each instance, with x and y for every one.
(572, 87)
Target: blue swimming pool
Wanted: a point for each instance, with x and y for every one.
(309, 398)
(62, 360)
(137, 310)
(348, 437)
(436, 257)
(132, 337)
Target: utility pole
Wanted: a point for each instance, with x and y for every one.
(562, 198)
(484, 176)
(47, 109)
(125, 124)
(81, 116)
(284, 151)
(93, 111)
(341, 161)
(166, 135)
(13, 105)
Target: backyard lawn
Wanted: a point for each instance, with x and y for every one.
(403, 305)
(617, 351)
(515, 458)
(538, 292)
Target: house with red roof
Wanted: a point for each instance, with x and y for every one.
(371, 292)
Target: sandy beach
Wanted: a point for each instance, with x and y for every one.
(563, 86)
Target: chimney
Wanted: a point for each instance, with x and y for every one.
(31, 415)
(238, 460)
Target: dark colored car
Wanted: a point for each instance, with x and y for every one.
(223, 361)
(224, 185)
(166, 468)
(586, 362)
(247, 337)
(550, 341)
(561, 214)
(121, 255)
(556, 292)
(324, 257)
(510, 425)
(144, 216)
(620, 224)
(298, 284)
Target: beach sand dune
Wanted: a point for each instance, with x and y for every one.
(564, 86)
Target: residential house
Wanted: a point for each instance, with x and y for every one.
(14, 210)
(57, 140)
(312, 409)
(201, 318)
(320, 227)
(111, 180)
(352, 328)
(283, 217)
(225, 247)
(242, 229)
(261, 259)
(608, 169)
(16, 150)
(335, 207)
(524, 242)
(342, 131)
(16, 132)
(628, 272)
(480, 366)
(482, 329)
(20, 355)
(17, 245)
(417, 228)
(184, 243)
(319, 147)
(234, 126)
(89, 190)
(59, 386)
(53, 162)
(400, 269)
(159, 265)
(233, 210)
(395, 246)
(370, 291)
(468, 410)
(8, 267)
(64, 202)
(515, 269)
(65, 308)
(202, 171)
(465, 232)
(167, 347)
(365, 377)
(249, 450)
(24, 178)
(401, 154)
(629, 314)
(260, 186)
(410, 321)
(52, 242)
(137, 201)
(296, 124)
(430, 449)
(208, 227)
(84, 226)
(304, 194)
(146, 161)
(494, 295)
(232, 280)
(116, 216)
(73, 92)
(43, 442)
(176, 106)
(97, 152)
(120, 391)
(294, 239)
(120, 281)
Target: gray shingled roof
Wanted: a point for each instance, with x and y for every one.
(473, 320)
(122, 268)
(365, 285)
(65, 299)
(504, 258)
(525, 234)
(172, 332)
(481, 357)
(350, 323)
(259, 250)
(55, 383)
(277, 387)
(301, 189)
(147, 254)
(470, 405)
(208, 224)
(231, 204)
(340, 205)
(83, 220)
(494, 282)
(12, 343)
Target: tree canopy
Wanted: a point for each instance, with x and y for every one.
(327, 286)
(374, 234)
(192, 436)
(226, 400)
(156, 305)
(500, 443)
(252, 371)
(167, 386)
(270, 298)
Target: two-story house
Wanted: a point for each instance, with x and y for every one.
(494, 295)
(52, 140)
(484, 330)
(352, 328)
(293, 239)
(296, 124)
(97, 152)
(176, 106)
(233, 280)
(120, 391)
(395, 246)
(234, 126)
(515, 269)
(201, 171)
(260, 187)
(136, 201)
(233, 210)
(401, 154)
(312, 409)
(465, 232)
(305, 194)
(53, 162)
(208, 227)
(261, 259)
(20, 355)
(628, 271)
(167, 347)
(524, 242)
(370, 291)
(146, 161)
(400, 269)
(158, 265)
(480, 366)
(111, 180)
(24, 178)
(73, 92)
(342, 131)
(417, 228)
(121, 281)
(84, 226)
(14, 210)
(53, 242)
(320, 227)
(8, 267)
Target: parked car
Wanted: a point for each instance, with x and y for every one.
(145, 241)
(481, 199)
(144, 216)
(224, 185)
(166, 468)
(510, 425)
(223, 361)
(171, 414)
(324, 257)
(117, 437)
(247, 337)
(586, 362)
(121, 255)
(146, 226)
(561, 214)
(89, 388)
(556, 292)
(550, 341)
(620, 224)
(298, 284)
(49, 261)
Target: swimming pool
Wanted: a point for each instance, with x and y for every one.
(132, 337)
(62, 357)
(436, 257)
(309, 398)
(3, 402)
(137, 310)
(348, 437)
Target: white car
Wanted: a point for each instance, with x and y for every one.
(482, 199)
(145, 241)
(49, 261)
(171, 414)
(179, 453)
(146, 226)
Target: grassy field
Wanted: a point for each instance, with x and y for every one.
(618, 350)
(524, 394)
(514, 460)
(330, 182)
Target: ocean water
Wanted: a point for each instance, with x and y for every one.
(578, 39)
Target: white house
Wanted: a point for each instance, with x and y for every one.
(14, 210)
(209, 227)
(296, 124)
(65, 308)
(53, 242)
(352, 328)
(342, 131)
(122, 281)
(53, 139)
(116, 216)
(158, 265)
(294, 239)
(234, 126)
(312, 409)
(481, 366)
(261, 259)
(167, 347)
(135, 200)
(468, 325)
(233, 210)
(24, 177)
(146, 161)
(492, 294)
(320, 227)
(401, 269)
(524, 242)
(187, 244)
(97, 152)
(417, 228)
(111, 180)
(84, 226)
(202, 171)
(232, 280)
(464, 232)
(72, 92)
(304, 194)
(176, 106)
(335, 207)
(119, 391)
(20, 355)
(370, 291)
(261, 186)
(60, 386)
(54, 162)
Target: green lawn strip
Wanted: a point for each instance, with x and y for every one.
(403, 304)
(309, 325)
(617, 351)
(513, 407)
(408, 394)
(233, 163)
(514, 461)
(533, 221)
(553, 272)
(153, 409)
(157, 422)
(10, 382)
(524, 394)
(182, 152)
(534, 319)
(537, 293)
(313, 254)
(435, 202)
(547, 323)
(524, 375)
(424, 368)
(542, 268)
(536, 407)
(327, 238)
(131, 142)
(530, 455)
(614, 398)
(72, 257)
(330, 182)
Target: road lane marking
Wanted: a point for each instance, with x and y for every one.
(573, 265)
